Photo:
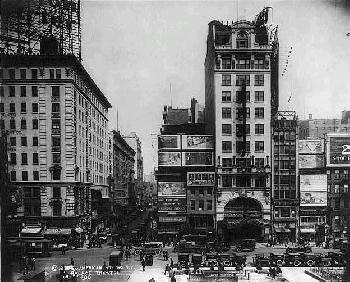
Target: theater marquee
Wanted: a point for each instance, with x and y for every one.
(338, 150)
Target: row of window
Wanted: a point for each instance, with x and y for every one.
(227, 113)
(336, 189)
(227, 146)
(227, 96)
(201, 207)
(35, 141)
(201, 192)
(35, 108)
(35, 124)
(13, 175)
(56, 158)
(227, 129)
(243, 162)
(55, 91)
(243, 63)
(243, 78)
(242, 181)
(24, 73)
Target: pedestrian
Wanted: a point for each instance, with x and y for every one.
(171, 263)
(171, 272)
(63, 250)
(72, 261)
(166, 255)
(167, 269)
(32, 263)
(143, 263)
(173, 279)
(104, 267)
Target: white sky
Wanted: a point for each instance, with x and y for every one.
(134, 50)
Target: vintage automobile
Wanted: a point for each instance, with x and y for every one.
(225, 259)
(183, 259)
(261, 260)
(211, 259)
(246, 245)
(115, 259)
(310, 259)
(293, 259)
(337, 258)
(298, 249)
(197, 259)
(277, 259)
(155, 247)
(238, 260)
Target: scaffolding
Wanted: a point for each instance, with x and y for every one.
(30, 27)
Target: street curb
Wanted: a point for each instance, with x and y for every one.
(315, 276)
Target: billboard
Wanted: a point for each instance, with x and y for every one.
(171, 189)
(197, 159)
(197, 142)
(169, 142)
(311, 161)
(172, 219)
(308, 198)
(338, 150)
(200, 179)
(169, 159)
(172, 204)
(311, 146)
(313, 190)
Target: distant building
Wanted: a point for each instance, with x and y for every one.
(318, 128)
(134, 142)
(194, 114)
(57, 123)
(241, 96)
(285, 196)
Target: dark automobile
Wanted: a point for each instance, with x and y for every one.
(238, 259)
(183, 259)
(246, 245)
(294, 259)
(260, 260)
(197, 259)
(211, 259)
(298, 249)
(225, 259)
(311, 259)
(337, 258)
(277, 259)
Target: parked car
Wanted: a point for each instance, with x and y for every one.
(246, 245)
(298, 249)
(293, 259)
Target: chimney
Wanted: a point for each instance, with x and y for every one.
(310, 116)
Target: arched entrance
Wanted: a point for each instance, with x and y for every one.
(243, 219)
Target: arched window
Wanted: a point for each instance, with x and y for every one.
(242, 39)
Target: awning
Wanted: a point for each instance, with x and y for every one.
(308, 230)
(58, 231)
(31, 230)
(282, 230)
(168, 232)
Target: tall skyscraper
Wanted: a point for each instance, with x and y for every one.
(241, 95)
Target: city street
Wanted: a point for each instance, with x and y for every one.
(132, 269)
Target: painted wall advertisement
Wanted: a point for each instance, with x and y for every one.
(338, 151)
(169, 159)
(171, 204)
(200, 179)
(169, 142)
(311, 161)
(197, 142)
(197, 159)
(171, 189)
(311, 146)
(313, 190)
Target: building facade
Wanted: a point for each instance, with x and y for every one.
(337, 167)
(241, 95)
(134, 142)
(285, 196)
(57, 123)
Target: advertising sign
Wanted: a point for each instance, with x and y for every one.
(169, 159)
(171, 204)
(197, 159)
(338, 151)
(313, 190)
(200, 179)
(197, 142)
(313, 198)
(311, 146)
(168, 142)
(311, 161)
(172, 219)
(171, 189)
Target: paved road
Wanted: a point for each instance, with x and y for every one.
(132, 270)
